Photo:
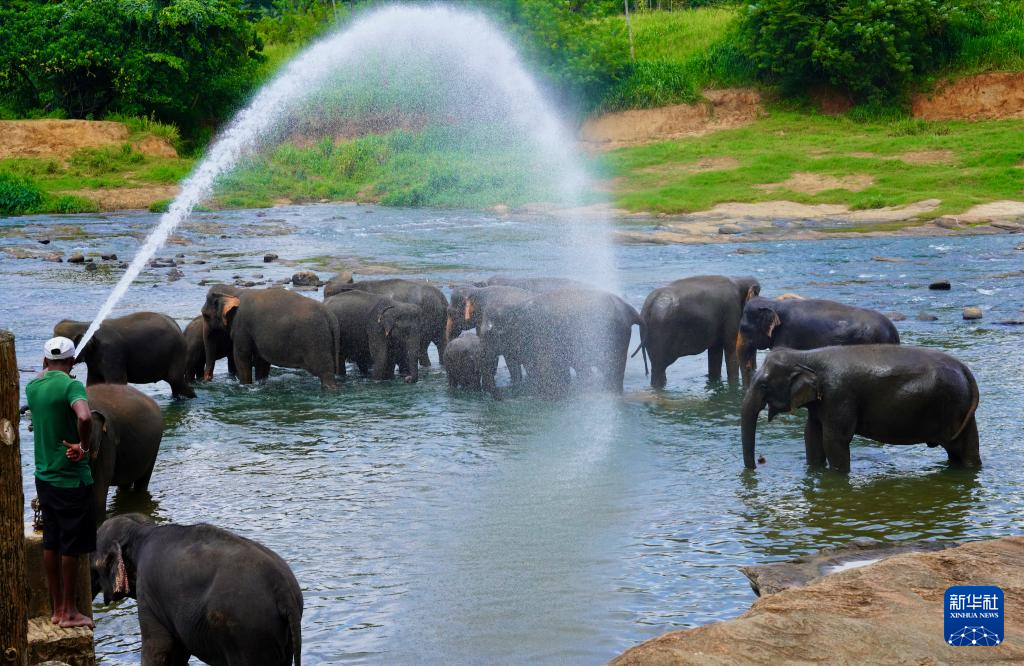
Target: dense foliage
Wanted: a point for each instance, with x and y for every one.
(18, 195)
(870, 48)
(185, 61)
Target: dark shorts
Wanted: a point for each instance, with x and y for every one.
(69, 521)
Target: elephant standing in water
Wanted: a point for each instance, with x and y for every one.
(888, 393)
(202, 591)
(379, 332)
(696, 314)
(462, 362)
(126, 432)
(469, 309)
(799, 323)
(559, 331)
(205, 348)
(428, 298)
(274, 327)
(139, 348)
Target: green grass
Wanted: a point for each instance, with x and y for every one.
(678, 55)
(999, 46)
(448, 168)
(984, 164)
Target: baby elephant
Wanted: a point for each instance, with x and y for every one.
(126, 432)
(462, 362)
(201, 591)
(889, 393)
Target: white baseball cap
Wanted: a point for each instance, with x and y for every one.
(59, 348)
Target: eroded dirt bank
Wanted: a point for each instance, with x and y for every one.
(889, 612)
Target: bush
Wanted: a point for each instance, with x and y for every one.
(182, 61)
(18, 195)
(869, 48)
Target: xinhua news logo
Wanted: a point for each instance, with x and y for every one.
(974, 616)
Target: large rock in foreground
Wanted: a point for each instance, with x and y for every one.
(889, 612)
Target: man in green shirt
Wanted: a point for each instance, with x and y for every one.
(62, 425)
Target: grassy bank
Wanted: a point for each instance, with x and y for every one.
(889, 163)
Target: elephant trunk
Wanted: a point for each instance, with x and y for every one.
(412, 356)
(753, 403)
(449, 328)
(747, 356)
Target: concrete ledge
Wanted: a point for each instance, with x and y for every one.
(47, 642)
(889, 612)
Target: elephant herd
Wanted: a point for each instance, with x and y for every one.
(842, 363)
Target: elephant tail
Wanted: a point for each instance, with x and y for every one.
(335, 327)
(639, 321)
(975, 397)
(295, 630)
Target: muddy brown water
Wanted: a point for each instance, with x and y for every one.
(427, 526)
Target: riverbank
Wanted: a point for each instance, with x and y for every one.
(889, 612)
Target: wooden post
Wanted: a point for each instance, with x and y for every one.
(13, 606)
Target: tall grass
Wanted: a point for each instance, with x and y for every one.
(995, 41)
(678, 54)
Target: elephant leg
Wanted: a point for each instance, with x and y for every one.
(424, 357)
(159, 648)
(732, 359)
(964, 449)
(232, 370)
(261, 367)
(100, 489)
(243, 363)
(615, 370)
(180, 387)
(836, 444)
(141, 484)
(715, 363)
(658, 368)
(515, 368)
(813, 443)
(441, 343)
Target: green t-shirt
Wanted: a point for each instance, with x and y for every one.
(53, 422)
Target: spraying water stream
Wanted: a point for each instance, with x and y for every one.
(472, 72)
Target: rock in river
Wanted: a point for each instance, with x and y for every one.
(941, 285)
(889, 612)
(76, 258)
(730, 229)
(926, 316)
(972, 312)
(269, 257)
(306, 279)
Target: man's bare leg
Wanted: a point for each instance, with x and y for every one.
(51, 562)
(71, 617)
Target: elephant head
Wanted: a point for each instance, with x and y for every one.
(220, 308)
(113, 564)
(401, 323)
(103, 441)
(783, 384)
(757, 325)
(74, 330)
(748, 287)
(457, 309)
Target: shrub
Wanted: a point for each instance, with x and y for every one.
(183, 61)
(18, 195)
(870, 48)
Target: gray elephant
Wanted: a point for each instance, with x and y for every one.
(139, 348)
(807, 323)
(469, 308)
(126, 432)
(889, 393)
(204, 349)
(557, 332)
(428, 298)
(377, 332)
(202, 591)
(694, 315)
(462, 362)
(274, 327)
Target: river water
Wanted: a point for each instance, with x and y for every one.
(426, 526)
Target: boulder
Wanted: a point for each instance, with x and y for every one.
(306, 279)
(730, 229)
(91, 265)
(926, 316)
(108, 257)
(972, 312)
(76, 258)
(269, 257)
(888, 612)
(174, 274)
(896, 316)
(941, 285)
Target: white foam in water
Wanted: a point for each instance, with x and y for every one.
(482, 71)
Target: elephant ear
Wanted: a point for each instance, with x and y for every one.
(387, 319)
(118, 571)
(752, 291)
(467, 314)
(228, 307)
(803, 388)
(767, 321)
